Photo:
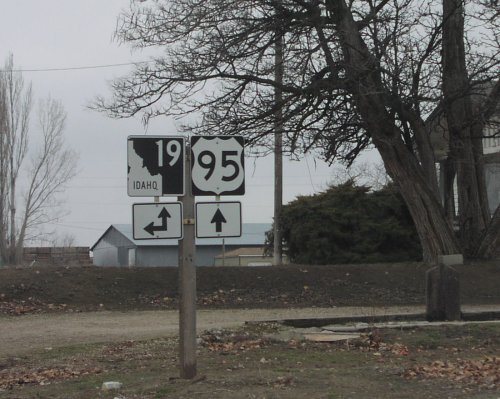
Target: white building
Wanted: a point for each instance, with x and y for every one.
(491, 149)
(116, 247)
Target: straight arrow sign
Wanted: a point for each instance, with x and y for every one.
(218, 219)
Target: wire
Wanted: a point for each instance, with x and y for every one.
(310, 176)
(75, 68)
(78, 227)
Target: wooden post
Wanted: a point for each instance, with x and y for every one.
(187, 281)
(278, 148)
(223, 252)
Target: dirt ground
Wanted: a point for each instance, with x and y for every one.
(28, 290)
(65, 331)
(456, 362)
(24, 334)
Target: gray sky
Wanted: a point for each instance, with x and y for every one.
(58, 34)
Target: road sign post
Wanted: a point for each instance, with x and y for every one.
(165, 165)
(187, 284)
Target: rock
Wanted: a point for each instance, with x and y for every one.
(330, 337)
(442, 294)
(111, 385)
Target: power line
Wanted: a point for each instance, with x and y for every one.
(77, 227)
(310, 176)
(75, 68)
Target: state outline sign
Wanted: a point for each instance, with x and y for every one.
(217, 165)
(155, 166)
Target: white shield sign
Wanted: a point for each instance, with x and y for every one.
(217, 165)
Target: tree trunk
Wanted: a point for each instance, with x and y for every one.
(477, 150)
(426, 153)
(458, 112)
(364, 83)
(19, 249)
(489, 245)
(435, 233)
(448, 173)
(12, 239)
(3, 189)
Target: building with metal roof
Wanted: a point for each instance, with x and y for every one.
(117, 247)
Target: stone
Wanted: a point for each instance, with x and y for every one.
(450, 260)
(111, 385)
(330, 337)
(442, 294)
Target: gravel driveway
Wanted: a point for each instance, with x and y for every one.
(23, 334)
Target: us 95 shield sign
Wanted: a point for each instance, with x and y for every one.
(218, 166)
(155, 166)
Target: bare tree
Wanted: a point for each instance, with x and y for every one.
(4, 125)
(357, 74)
(46, 172)
(369, 174)
(16, 104)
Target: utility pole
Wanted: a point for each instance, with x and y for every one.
(278, 148)
(187, 281)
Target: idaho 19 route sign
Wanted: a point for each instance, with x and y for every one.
(155, 166)
(217, 165)
(157, 220)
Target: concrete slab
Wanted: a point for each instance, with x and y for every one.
(361, 327)
(330, 337)
(452, 259)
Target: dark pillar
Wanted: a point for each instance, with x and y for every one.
(442, 293)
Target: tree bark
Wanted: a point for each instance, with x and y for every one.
(364, 83)
(3, 171)
(489, 245)
(464, 148)
(434, 231)
(448, 174)
(426, 153)
(12, 204)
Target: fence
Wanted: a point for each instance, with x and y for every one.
(70, 256)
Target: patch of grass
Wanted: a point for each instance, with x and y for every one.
(446, 337)
(149, 369)
(67, 351)
(163, 392)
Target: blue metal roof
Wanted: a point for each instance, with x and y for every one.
(252, 234)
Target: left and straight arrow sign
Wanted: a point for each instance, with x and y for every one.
(157, 220)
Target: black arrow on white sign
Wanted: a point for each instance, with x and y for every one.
(151, 228)
(218, 219)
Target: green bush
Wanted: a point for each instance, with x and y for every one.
(349, 224)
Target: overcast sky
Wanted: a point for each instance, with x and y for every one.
(60, 34)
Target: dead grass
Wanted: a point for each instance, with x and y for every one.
(70, 289)
(444, 362)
